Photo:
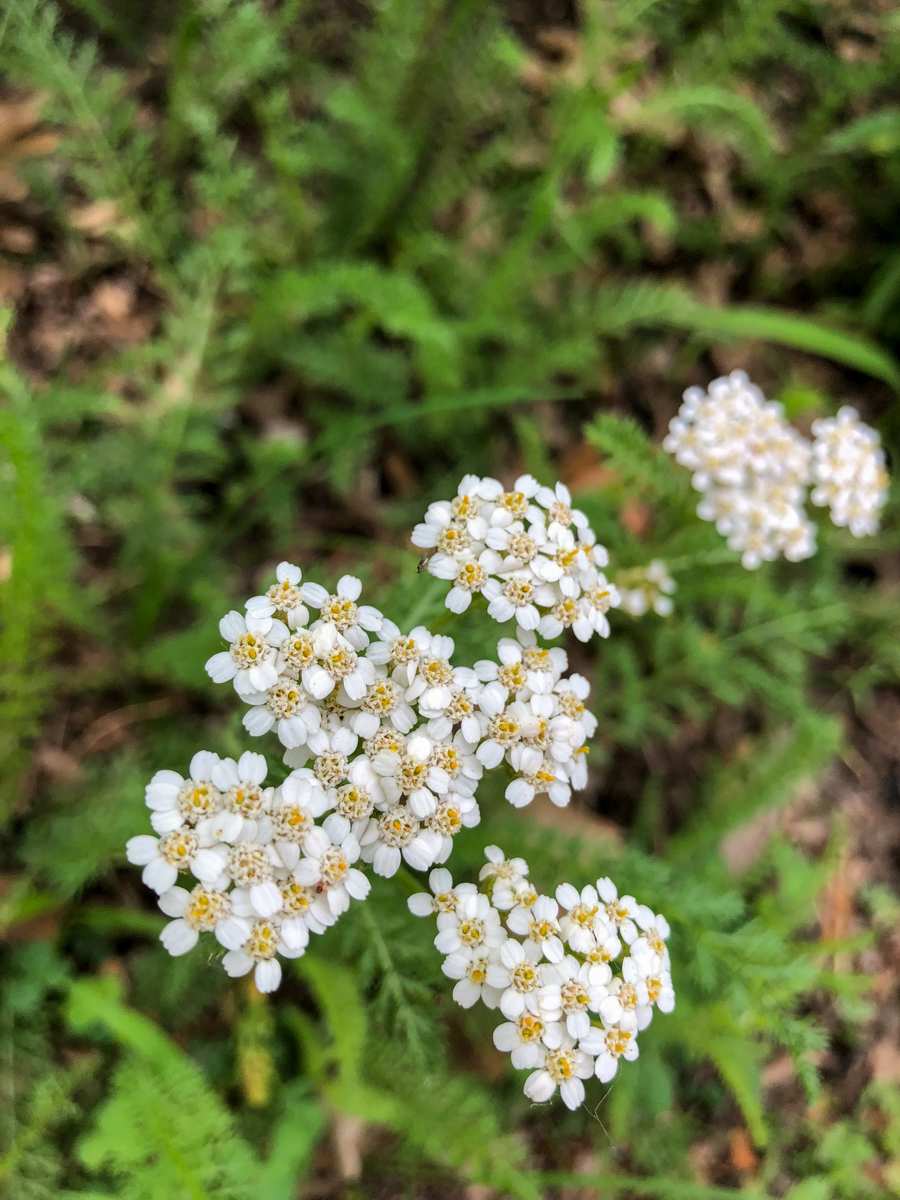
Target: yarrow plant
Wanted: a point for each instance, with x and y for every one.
(575, 976)
(754, 470)
(383, 738)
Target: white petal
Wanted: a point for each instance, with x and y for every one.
(232, 626)
(178, 937)
(232, 933)
(159, 875)
(267, 975)
(141, 849)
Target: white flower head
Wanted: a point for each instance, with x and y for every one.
(175, 801)
(525, 1038)
(443, 896)
(251, 661)
(354, 622)
(329, 853)
(284, 597)
(473, 923)
(607, 1046)
(539, 924)
(164, 858)
(258, 954)
(193, 912)
(565, 1068)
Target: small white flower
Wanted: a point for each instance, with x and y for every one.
(359, 796)
(176, 801)
(287, 709)
(647, 588)
(203, 909)
(516, 597)
(454, 811)
(163, 858)
(650, 947)
(444, 897)
(569, 994)
(539, 924)
(412, 776)
(337, 662)
(505, 731)
(397, 834)
(513, 893)
(242, 798)
(285, 597)
(354, 622)
(607, 1046)
(565, 1068)
(251, 660)
(258, 955)
(384, 701)
(303, 911)
(498, 866)
(470, 969)
(399, 652)
(471, 924)
(620, 911)
(569, 696)
(583, 920)
(436, 681)
(329, 853)
(518, 977)
(524, 1039)
(251, 866)
(548, 778)
(295, 808)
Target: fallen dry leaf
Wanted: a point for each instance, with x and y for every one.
(743, 1157)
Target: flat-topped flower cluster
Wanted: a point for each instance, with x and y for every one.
(527, 551)
(385, 741)
(576, 976)
(754, 470)
(267, 874)
(849, 474)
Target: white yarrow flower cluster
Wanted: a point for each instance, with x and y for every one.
(385, 741)
(554, 967)
(646, 589)
(848, 472)
(751, 465)
(527, 551)
(754, 470)
(261, 874)
(534, 718)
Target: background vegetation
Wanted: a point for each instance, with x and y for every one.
(276, 273)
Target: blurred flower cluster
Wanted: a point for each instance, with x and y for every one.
(849, 472)
(646, 589)
(754, 470)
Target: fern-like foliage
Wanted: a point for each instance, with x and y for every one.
(161, 1131)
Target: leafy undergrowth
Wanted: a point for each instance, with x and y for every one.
(276, 275)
